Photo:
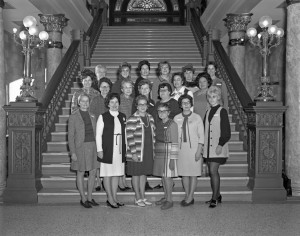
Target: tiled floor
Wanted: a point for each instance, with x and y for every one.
(198, 219)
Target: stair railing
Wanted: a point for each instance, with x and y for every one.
(62, 80)
(225, 70)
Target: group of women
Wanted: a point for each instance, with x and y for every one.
(144, 129)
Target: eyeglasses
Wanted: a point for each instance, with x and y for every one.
(162, 111)
(185, 103)
(143, 105)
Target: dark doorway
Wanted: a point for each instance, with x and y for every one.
(148, 12)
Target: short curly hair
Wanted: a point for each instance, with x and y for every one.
(110, 97)
(185, 96)
(214, 90)
(106, 80)
(204, 75)
(143, 62)
(124, 64)
(163, 63)
(143, 82)
(181, 76)
(139, 98)
(85, 73)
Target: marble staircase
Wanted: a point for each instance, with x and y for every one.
(132, 44)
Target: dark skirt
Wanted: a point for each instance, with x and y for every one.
(86, 158)
(220, 160)
(146, 166)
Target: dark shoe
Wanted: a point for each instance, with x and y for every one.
(160, 202)
(213, 203)
(188, 203)
(85, 204)
(183, 202)
(167, 205)
(219, 200)
(148, 187)
(120, 204)
(98, 188)
(86, 174)
(122, 189)
(159, 186)
(127, 188)
(110, 205)
(93, 203)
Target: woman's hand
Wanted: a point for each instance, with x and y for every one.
(100, 154)
(172, 165)
(135, 157)
(198, 154)
(74, 157)
(218, 150)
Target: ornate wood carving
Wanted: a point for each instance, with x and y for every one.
(22, 162)
(55, 22)
(269, 119)
(21, 119)
(268, 151)
(237, 22)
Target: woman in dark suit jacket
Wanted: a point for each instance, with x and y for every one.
(81, 137)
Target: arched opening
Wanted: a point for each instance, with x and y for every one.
(149, 12)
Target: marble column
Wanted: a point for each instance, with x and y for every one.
(237, 26)
(292, 96)
(54, 25)
(3, 157)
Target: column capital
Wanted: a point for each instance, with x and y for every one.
(237, 22)
(2, 3)
(290, 2)
(53, 22)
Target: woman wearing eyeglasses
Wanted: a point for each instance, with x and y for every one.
(140, 146)
(191, 140)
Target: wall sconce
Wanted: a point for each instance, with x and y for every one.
(271, 36)
(29, 39)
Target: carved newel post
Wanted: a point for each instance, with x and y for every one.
(265, 124)
(25, 121)
(237, 26)
(54, 25)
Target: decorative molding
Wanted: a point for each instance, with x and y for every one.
(237, 22)
(238, 41)
(53, 23)
(252, 149)
(269, 119)
(21, 160)
(21, 119)
(290, 2)
(146, 6)
(268, 151)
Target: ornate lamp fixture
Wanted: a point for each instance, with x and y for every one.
(270, 36)
(29, 40)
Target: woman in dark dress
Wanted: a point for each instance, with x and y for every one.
(140, 140)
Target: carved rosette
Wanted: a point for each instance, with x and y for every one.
(54, 22)
(237, 22)
(22, 162)
(267, 151)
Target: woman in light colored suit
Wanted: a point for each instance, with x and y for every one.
(81, 137)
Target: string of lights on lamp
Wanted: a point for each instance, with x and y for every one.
(29, 38)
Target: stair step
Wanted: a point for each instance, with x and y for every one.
(69, 182)
(64, 169)
(229, 193)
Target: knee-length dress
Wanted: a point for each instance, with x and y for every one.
(117, 166)
(146, 166)
(187, 165)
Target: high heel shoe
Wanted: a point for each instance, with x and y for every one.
(120, 204)
(111, 205)
(213, 203)
(122, 189)
(219, 200)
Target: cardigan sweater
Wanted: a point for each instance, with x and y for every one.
(108, 137)
(135, 135)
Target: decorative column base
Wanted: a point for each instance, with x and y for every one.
(265, 124)
(25, 120)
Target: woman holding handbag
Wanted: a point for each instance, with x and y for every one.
(140, 146)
